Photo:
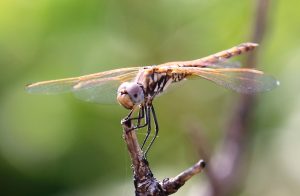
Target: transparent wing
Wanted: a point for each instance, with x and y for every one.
(99, 87)
(224, 63)
(242, 80)
(103, 89)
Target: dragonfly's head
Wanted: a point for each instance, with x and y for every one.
(130, 94)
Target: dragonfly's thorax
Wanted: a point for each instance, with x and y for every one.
(156, 79)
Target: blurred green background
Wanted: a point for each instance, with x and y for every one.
(58, 145)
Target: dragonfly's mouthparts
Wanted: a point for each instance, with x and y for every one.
(130, 94)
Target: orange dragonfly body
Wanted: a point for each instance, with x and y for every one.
(138, 86)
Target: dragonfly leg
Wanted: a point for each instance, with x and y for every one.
(156, 130)
(127, 119)
(148, 122)
(145, 112)
(141, 115)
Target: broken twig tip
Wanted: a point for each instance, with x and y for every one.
(202, 164)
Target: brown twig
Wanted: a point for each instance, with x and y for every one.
(144, 181)
(172, 185)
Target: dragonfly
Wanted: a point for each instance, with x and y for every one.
(136, 87)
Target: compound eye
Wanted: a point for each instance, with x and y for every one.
(136, 93)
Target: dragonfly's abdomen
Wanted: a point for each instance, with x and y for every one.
(226, 54)
(221, 56)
